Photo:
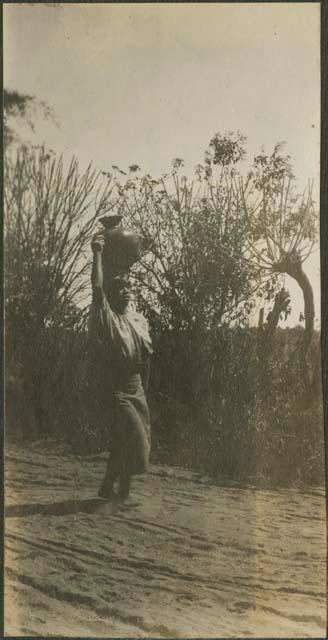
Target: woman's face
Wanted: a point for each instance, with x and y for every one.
(120, 293)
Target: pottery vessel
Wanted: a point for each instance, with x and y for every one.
(122, 247)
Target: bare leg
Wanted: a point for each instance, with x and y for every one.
(125, 483)
(113, 462)
(111, 475)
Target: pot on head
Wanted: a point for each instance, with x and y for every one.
(122, 247)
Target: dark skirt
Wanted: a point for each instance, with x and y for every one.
(130, 427)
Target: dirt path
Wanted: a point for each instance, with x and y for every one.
(186, 559)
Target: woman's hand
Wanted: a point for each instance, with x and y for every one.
(98, 241)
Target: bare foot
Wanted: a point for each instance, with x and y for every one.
(107, 494)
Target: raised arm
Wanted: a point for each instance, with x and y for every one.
(97, 276)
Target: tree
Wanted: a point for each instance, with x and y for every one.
(218, 242)
(20, 107)
(194, 275)
(284, 228)
(49, 214)
(192, 271)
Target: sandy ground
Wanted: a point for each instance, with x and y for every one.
(186, 558)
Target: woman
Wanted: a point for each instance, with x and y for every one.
(121, 338)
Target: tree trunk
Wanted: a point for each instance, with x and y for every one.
(266, 335)
(292, 266)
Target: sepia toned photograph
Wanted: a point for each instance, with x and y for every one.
(164, 462)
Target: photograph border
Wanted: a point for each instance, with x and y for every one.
(323, 257)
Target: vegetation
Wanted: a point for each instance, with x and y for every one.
(22, 108)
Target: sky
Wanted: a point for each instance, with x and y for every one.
(145, 83)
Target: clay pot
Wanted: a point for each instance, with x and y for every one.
(122, 248)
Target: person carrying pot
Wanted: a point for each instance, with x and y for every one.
(121, 339)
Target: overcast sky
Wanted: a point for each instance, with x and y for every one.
(146, 83)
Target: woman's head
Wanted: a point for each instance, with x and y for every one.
(119, 292)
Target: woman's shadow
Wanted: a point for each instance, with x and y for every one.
(64, 508)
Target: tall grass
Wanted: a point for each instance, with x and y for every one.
(212, 407)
